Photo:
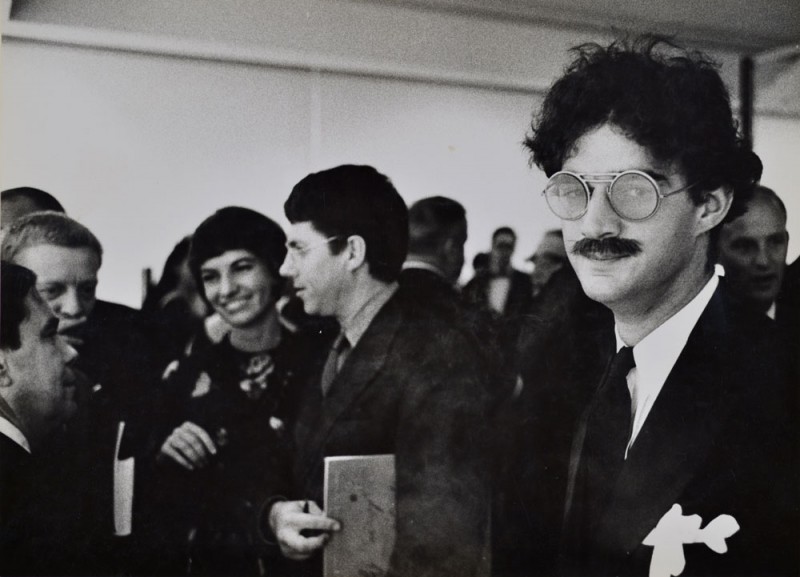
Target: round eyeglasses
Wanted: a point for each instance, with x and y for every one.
(633, 194)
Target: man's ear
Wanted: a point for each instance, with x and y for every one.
(715, 206)
(356, 251)
(5, 376)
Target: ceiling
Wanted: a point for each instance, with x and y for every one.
(488, 30)
(744, 26)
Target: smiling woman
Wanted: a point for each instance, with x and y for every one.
(221, 436)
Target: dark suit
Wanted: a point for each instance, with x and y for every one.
(509, 322)
(717, 441)
(423, 399)
(117, 379)
(563, 348)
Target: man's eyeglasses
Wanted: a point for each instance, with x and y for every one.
(633, 194)
(294, 251)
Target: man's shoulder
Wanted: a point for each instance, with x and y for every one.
(108, 314)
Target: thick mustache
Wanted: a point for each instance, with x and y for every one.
(612, 246)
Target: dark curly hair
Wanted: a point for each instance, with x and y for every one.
(355, 200)
(669, 100)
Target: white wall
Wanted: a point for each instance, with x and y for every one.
(142, 148)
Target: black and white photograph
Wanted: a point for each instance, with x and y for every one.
(400, 288)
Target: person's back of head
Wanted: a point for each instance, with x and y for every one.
(21, 201)
(753, 247)
(437, 232)
(352, 200)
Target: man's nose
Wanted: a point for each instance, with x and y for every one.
(287, 268)
(763, 256)
(600, 220)
(70, 305)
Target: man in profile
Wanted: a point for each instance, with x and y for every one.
(387, 385)
(115, 359)
(36, 395)
(687, 426)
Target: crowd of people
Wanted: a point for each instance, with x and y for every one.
(626, 409)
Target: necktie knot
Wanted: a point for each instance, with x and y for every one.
(621, 365)
(336, 357)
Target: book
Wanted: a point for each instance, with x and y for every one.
(360, 494)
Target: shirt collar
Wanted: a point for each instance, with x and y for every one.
(422, 265)
(355, 327)
(772, 310)
(657, 353)
(11, 431)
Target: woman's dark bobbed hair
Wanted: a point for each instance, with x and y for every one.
(237, 228)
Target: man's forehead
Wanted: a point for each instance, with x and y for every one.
(761, 218)
(303, 232)
(53, 261)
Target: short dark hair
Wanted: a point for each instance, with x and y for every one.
(668, 100)
(48, 228)
(504, 230)
(16, 283)
(355, 200)
(235, 228)
(41, 199)
(433, 220)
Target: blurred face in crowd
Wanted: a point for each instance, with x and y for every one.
(67, 280)
(752, 248)
(38, 369)
(626, 263)
(318, 276)
(549, 258)
(239, 287)
(502, 249)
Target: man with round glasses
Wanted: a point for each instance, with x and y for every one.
(686, 426)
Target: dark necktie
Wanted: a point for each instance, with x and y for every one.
(608, 430)
(336, 358)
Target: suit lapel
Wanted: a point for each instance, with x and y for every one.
(362, 365)
(675, 439)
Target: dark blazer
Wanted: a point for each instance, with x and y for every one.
(415, 390)
(563, 347)
(520, 292)
(717, 441)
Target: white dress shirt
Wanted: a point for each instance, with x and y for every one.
(10, 430)
(656, 354)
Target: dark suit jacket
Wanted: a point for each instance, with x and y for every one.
(425, 295)
(520, 291)
(415, 390)
(717, 441)
(564, 345)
